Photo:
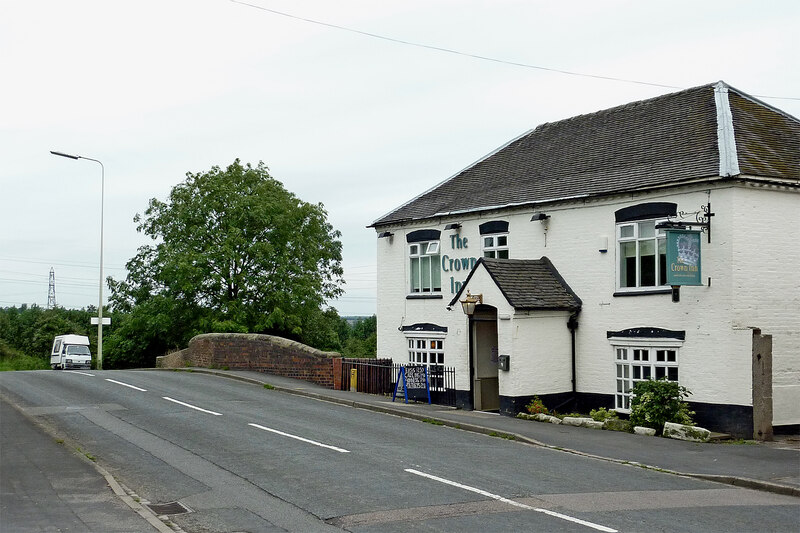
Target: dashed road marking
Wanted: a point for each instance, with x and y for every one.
(309, 441)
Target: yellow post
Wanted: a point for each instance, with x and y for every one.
(353, 380)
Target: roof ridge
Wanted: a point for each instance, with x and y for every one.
(631, 104)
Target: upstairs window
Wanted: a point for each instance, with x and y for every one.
(641, 248)
(494, 239)
(495, 246)
(642, 255)
(425, 267)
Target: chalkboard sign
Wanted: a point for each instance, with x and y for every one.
(414, 383)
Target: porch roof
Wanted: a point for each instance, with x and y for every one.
(527, 284)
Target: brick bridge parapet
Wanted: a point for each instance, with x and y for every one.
(261, 353)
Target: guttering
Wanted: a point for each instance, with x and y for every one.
(507, 206)
(531, 203)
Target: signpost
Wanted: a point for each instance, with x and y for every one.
(414, 381)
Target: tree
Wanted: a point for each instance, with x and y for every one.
(360, 338)
(30, 331)
(235, 251)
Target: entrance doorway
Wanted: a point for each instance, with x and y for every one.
(483, 363)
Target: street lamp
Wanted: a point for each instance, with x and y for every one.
(100, 298)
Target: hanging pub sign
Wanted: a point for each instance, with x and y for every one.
(683, 257)
(413, 380)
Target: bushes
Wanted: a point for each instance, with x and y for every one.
(652, 404)
(602, 414)
(656, 402)
(536, 407)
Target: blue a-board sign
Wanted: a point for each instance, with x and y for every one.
(414, 381)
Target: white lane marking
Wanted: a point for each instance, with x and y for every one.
(191, 406)
(512, 502)
(126, 385)
(82, 373)
(315, 443)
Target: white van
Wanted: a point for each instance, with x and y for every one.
(71, 351)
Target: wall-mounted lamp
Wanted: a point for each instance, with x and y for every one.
(469, 302)
(453, 225)
(383, 234)
(545, 220)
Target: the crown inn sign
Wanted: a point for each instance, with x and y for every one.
(683, 258)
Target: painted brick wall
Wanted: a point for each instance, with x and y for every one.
(261, 353)
(752, 262)
(766, 285)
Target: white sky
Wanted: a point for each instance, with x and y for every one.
(155, 89)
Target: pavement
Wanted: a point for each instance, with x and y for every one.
(49, 485)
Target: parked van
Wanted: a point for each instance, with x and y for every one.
(71, 351)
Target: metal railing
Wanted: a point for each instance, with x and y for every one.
(441, 380)
(379, 376)
(373, 376)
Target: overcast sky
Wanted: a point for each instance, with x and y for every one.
(155, 89)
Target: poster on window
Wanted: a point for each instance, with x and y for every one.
(683, 257)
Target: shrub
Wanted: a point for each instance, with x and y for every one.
(536, 406)
(656, 402)
(602, 414)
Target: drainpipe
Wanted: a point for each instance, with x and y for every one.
(572, 324)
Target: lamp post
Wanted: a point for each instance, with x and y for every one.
(100, 297)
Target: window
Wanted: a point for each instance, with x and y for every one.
(642, 253)
(640, 363)
(425, 266)
(428, 352)
(494, 239)
(495, 246)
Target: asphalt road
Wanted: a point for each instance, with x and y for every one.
(244, 458)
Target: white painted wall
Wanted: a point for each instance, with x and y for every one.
(542, 355)
(752, 260)
(766, 285)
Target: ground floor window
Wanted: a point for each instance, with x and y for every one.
(640, 363)
(428, 352)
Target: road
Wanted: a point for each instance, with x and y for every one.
(244, 458)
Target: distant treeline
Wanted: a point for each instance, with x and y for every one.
(28, 332)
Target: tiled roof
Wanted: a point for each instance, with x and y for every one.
(528, 284)
(661, 141)
(768, 143)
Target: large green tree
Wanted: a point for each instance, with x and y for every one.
(234, 251)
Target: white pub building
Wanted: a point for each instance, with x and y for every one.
(658, 239)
